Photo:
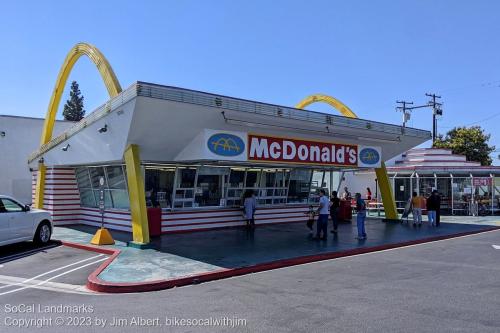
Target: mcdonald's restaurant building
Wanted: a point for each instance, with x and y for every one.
(194, 154)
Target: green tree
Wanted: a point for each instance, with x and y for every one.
(469, 141)
(73, 109)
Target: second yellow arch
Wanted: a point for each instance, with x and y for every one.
(383, 179)
(341, 107)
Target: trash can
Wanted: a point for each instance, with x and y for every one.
(345, 211)
(154, 222)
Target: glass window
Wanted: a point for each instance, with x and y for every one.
(210, 186)
(237, 178)
(336, 180)
(95, 175)
(268, 178)
(253, 178)
(316, 184)
(281, 184)
(402, 191)
(282, 177)
(159, 187)
(82, 177)
(235, 187)
(87, 198)
(11, 206)
(444, 189)
(462, 194)
(107, 198)
(120, 199)
(300, 181)
(327, 182)
(414, 184)
(116, 178)
(89, 187)
(186, 178)
(266, 187)
(426, 186)
(483, 196)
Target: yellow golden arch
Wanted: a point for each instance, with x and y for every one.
(132, 161)
(383, 178)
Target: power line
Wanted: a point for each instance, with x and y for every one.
(487, 84)
(477, 122)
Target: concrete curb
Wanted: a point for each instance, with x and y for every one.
(96, 284)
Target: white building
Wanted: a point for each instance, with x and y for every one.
(19, 137)
(199, 152)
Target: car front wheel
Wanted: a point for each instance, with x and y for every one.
(43, 233)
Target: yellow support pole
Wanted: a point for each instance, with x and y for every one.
(40, 186)
(137, 197)
(391, 212)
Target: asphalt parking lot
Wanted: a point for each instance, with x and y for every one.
(54, 267)
(445, 286)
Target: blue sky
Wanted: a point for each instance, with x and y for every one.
(366, 53)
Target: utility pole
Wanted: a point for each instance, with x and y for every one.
(406, 111)
(436, 111)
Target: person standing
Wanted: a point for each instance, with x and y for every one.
(361, 215)
(432, 206)
(310, 218)
(334, 211)
(417, 203)
(322, 224)
(249, 208)
(368, 194)
(346, 195)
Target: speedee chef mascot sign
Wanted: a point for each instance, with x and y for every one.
(273, 149)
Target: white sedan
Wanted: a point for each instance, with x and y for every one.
(20, 223)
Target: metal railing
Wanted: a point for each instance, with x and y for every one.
(236, 104)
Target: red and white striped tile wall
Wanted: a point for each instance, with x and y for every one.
(62, 200)
(183, 221)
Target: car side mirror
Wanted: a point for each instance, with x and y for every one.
(27, 208)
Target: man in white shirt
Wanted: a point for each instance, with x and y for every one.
(323, 212)
(346, 195)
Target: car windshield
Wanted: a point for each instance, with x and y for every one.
(8, 205)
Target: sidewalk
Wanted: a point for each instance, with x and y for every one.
(199, 255)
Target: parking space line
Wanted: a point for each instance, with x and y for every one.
(56, 269)
(51, 286)
(53, 277)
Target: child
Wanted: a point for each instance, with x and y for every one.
(310, 218)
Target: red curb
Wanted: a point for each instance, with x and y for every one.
(90, 248)
(96, 284)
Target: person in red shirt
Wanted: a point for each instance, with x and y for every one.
(368, 194)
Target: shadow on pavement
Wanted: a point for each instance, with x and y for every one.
(239, 247)
(23, 249)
